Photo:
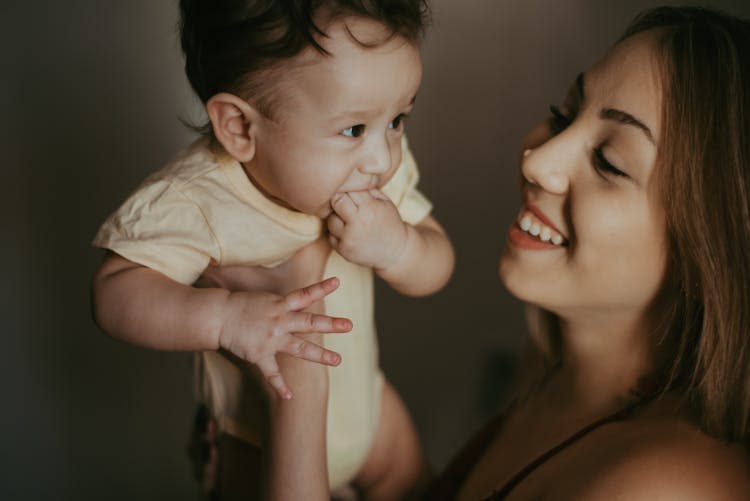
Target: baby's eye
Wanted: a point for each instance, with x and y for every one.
(396, 122)
(353, 131)
(558, 121)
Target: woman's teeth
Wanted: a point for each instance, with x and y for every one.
(528, 223)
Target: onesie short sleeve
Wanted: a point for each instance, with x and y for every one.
(160, 228)
(412, 205)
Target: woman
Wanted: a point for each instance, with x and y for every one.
(630, 245)
(630, 249)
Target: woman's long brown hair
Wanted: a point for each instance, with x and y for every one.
(703, 170)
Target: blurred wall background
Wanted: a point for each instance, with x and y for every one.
(91, 93)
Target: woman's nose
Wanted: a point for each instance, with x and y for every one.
(546, 170)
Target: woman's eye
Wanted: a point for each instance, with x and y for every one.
(396, 122)
(353, 131)
(558, 121)
(603, 166)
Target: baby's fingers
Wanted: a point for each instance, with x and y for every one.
(310, 351)
(305, 322)
(344, 205)
(302, 298)
(270, 370)
(335, 225)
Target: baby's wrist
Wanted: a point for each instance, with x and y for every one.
(224, 315)
(398, 262)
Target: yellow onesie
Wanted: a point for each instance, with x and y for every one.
(202, 209)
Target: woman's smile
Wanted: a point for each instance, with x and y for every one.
(533, 230)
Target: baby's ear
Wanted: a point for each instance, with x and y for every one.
(234, 122)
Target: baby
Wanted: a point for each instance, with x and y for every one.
(302, 172)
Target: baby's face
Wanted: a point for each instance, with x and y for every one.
(338, 123)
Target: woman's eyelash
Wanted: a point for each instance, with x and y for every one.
(602, 164)
(559, 121)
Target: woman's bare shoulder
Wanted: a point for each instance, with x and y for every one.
(671, 459)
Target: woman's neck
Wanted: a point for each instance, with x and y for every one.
(603, 359)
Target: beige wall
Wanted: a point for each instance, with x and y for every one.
(91, 92)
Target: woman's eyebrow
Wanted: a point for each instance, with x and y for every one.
(618, 116)
(626, 119)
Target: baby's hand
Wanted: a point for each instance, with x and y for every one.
(260, 324)
(366, 228)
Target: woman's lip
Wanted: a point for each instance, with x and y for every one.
(543, 218)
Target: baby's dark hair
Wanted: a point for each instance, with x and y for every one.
(226, 42)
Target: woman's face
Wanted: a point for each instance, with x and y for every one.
(591, 235)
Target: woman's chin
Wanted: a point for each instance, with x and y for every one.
(514, 284)
(527, 289)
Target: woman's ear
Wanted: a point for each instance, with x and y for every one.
(234, 122)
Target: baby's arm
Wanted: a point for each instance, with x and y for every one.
(367, 229)
(141, 306)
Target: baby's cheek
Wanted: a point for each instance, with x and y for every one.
(324, 211)
(395, 162)
(396, 158)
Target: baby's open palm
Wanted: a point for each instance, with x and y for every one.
(266, 313)
(262, 324)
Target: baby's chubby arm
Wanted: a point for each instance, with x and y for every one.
(141, 306)
(366, 228)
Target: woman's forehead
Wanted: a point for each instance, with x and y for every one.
(627, 79)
